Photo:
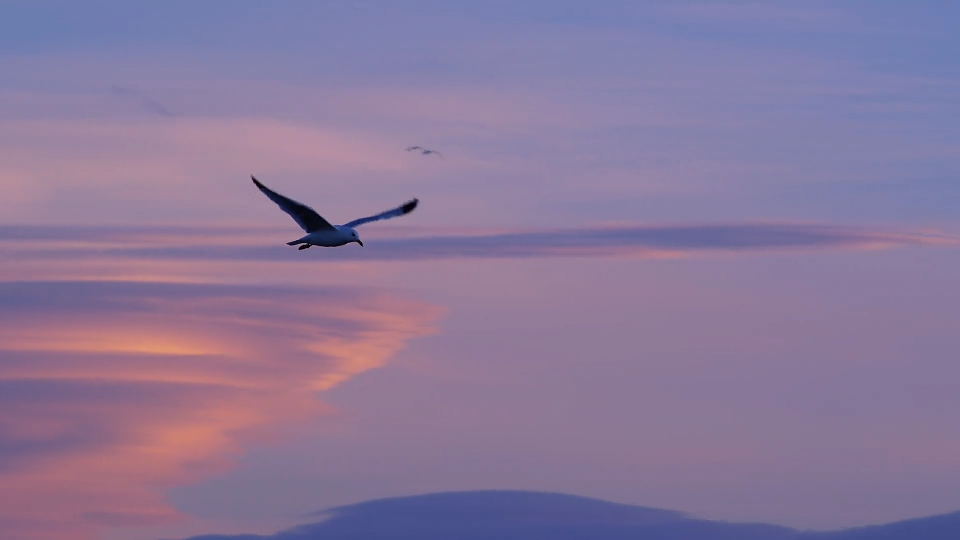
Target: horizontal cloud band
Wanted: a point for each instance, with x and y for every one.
(596, 242)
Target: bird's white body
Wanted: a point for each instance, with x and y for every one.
(340, 236)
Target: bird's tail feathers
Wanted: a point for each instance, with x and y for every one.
(296, 242)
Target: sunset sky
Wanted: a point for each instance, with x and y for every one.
(691, 255)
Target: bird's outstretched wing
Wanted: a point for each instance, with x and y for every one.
(411, 148)
(305, 216)
(405, 208)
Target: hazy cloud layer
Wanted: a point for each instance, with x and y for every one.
(687, 110)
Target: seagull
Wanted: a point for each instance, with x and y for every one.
(319, 231)
(145, 102)
(423, 150)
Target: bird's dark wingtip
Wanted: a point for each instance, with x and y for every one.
(410, 205)
(255, 181)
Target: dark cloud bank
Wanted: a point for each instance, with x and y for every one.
(511, 515)
(582, 242)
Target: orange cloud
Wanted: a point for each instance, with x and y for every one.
(111, 392)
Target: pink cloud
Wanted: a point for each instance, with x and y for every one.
(114, 392)
(113, 168)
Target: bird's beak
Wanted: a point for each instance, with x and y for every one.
(361, 243)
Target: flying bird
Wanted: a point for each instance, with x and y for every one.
(319, 231)
(145, 102)
(423, 151)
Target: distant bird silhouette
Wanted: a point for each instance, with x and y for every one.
(145, 102)
(423, 151)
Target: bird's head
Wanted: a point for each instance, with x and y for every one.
(354, 236)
